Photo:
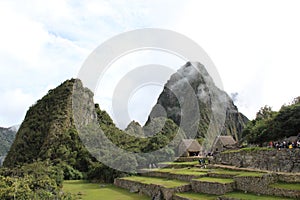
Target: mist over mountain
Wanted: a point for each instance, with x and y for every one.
(217, 114)
(7, 136)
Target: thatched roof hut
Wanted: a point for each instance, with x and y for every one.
(189, 147)
(222, 143)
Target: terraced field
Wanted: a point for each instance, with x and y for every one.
(216, 183)
(188, 182)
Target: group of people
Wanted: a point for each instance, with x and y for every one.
(286, 144)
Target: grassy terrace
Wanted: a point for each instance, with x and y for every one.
(289, 186)
(258, 174)
(237, 173)
(249, 149)
(183, 171)
(197, 196)
(215, 180)
(198, 171)
(180, 163)
(92, 191)
(158, 181)
(222, 171)
(248, 196)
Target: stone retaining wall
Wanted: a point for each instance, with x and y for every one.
(212, 187)
(156, 192)
(254, 184)
(261, 185)
(284, 160)
(288, 178)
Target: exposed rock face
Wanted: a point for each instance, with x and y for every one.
(7, 136)
(217, 113)
(48, 130)
(135, 129)
(284, 160)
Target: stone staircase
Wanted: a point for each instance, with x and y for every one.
(192, 183)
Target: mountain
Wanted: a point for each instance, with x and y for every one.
(7, 136)
(135, 129)
(48, 131)
(192, 100)
(66, 128)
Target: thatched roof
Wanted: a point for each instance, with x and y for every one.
(191, 145)
(226, 140)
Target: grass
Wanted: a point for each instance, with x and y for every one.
(92, 191)
(289, 186)
(249, 149)
(158, 181)
(180, 163)
(183, 171)
(222, 171)
(197, 196)
(249, 196)
(237, 173)
(215, 180)
(254, 174)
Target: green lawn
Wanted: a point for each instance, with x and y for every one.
(181, 163)
(197, 196)
(258, 174)
(249, 196)
(92, 191)
(290, 186)
(158, 181)
(183, 171)
(224, 171)
(215, 180)
(236, 173)
(249, 149)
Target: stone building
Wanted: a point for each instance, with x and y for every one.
(190, 147)
(222, 143)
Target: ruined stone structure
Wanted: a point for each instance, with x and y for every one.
(284, 160)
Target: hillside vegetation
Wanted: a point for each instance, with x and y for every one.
(272, 126)
(48, 133)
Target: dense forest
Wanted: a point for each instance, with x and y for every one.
(270, 125)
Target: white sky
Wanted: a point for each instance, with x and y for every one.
(255, 46)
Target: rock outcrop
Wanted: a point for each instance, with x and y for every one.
(135, 129)
(7, 136)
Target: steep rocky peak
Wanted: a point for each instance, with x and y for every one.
(218, 114)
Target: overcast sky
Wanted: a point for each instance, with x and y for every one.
(255, 46)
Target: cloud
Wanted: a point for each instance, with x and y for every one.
(254, 45)
(15, 107)
(45, 42)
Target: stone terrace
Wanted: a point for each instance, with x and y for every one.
(184, 181)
